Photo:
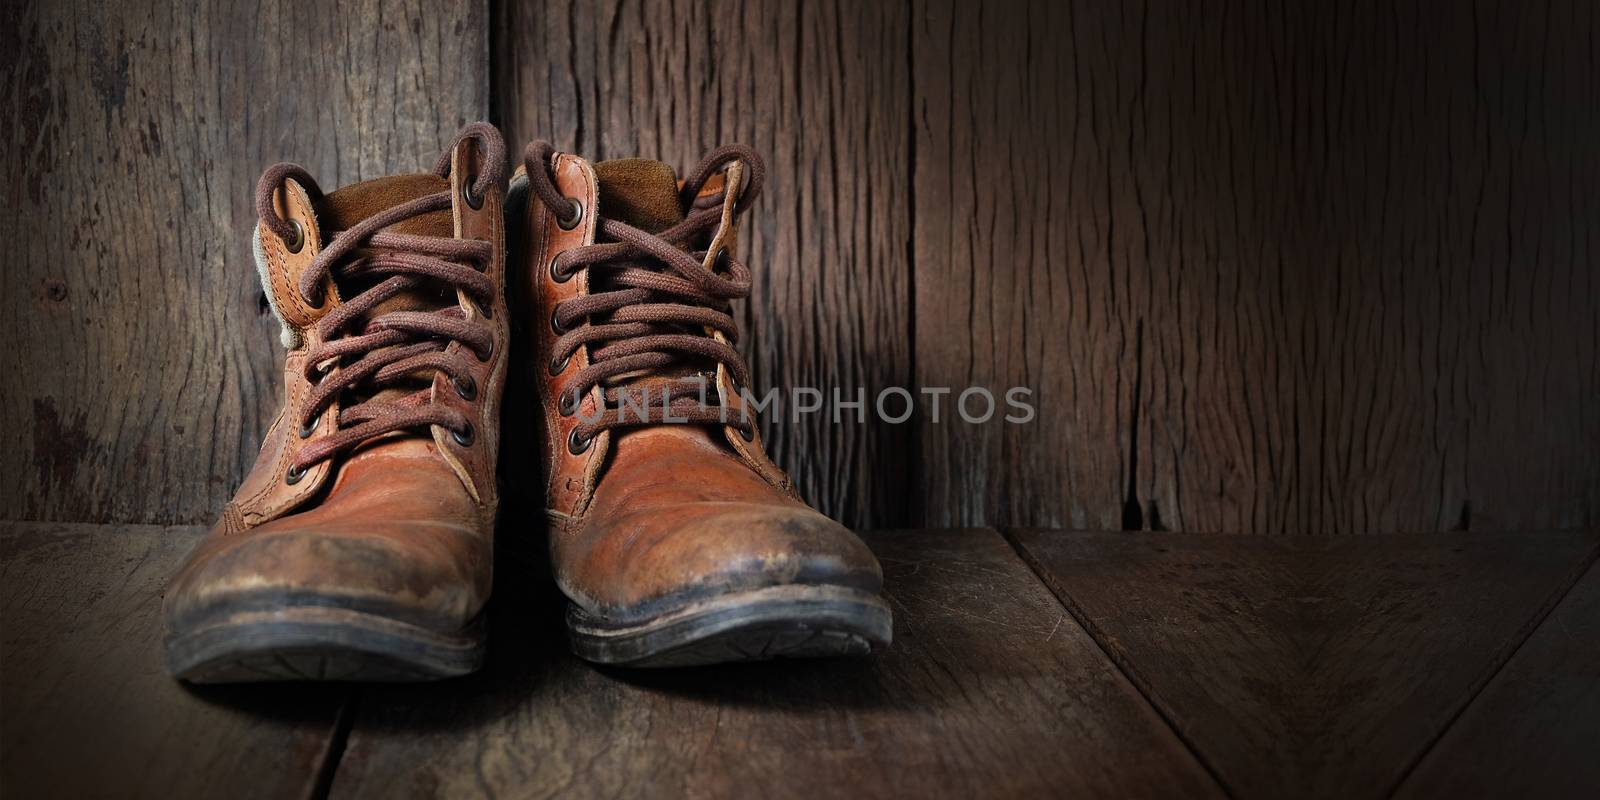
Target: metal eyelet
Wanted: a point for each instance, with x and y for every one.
(555, 325)
(567, 404)
(719, 262)
(488, 354)
(558, 367)
(464, 437)
(747, 432)
(294, 475)
(466, 389)
(307, 428)
(556, 273)
(466, 193)
(577, 215)
(298, 240)
(322, 300)
(577, 446)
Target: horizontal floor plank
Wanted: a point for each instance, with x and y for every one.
(89, 710)
(1316, 667)
(990, 689)
(1532, 732)
(1293, 666)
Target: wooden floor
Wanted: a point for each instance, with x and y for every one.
(1024, 662)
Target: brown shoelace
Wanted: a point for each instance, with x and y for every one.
(398, 345)
(656, 305)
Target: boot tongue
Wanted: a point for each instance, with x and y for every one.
(343, 209)
(640, 192)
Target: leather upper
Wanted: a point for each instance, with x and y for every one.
(388, 539)
(677, 517)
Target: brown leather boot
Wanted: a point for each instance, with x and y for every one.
(675, 537)
(359, 546)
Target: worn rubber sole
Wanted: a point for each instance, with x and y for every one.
(777, 622)
(320, 644)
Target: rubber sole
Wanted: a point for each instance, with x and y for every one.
(320, 644)
(756, 625)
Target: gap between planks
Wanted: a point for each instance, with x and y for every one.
(1097, 636)
(1506, 658)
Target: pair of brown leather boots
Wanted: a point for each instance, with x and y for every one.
(360, 545)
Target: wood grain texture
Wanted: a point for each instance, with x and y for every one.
(134, 135)
(988, 690)
(89, 708)
(1324, 268)
(1532, 731)
(1300, 667)
(819, 89)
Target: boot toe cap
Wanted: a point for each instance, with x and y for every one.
(426, 573)
(673, 557)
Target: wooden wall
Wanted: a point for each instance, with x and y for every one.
(142, 361)
(1327, 268)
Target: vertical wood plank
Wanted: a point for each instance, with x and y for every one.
(145, 356)
(820, 90)
(1020, 249)
(1426, 183)
(1324, 268)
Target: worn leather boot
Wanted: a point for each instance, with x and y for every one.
(359, 545)
(674, 536)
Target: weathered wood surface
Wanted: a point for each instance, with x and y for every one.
(1315, 267)
(1292, 667)
(820, 91)
(1532, 731)
(88, 709)
(989, 690)
(1323, 268)
(144, 361)
(1301, 667)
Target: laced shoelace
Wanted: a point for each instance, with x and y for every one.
(397, 345)
(656, 308)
